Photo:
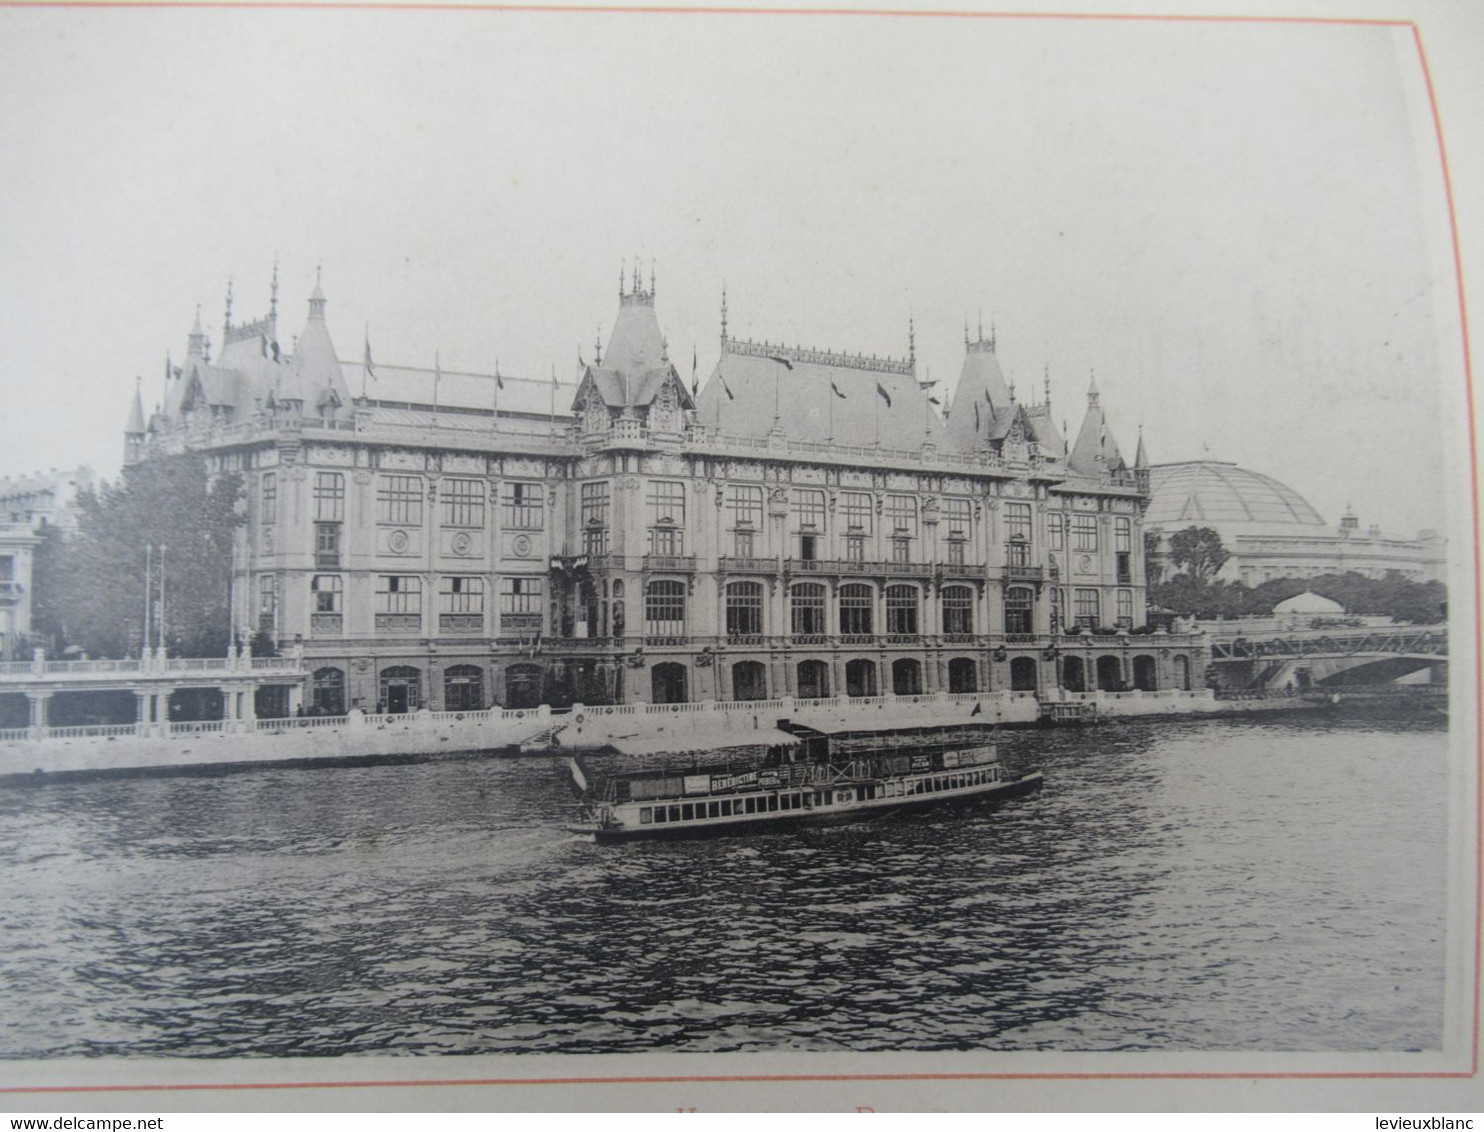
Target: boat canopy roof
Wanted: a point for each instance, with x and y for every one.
(687, 739)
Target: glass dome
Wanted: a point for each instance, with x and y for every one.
(1222, 495)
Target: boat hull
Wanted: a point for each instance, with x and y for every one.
(794, 819)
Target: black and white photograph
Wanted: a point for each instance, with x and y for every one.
(637, 558)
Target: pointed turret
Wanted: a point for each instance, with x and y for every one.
(1141, 465)
(980, 397)
(134, 429)
(1095, 451)
(314, 375)
(196, 343)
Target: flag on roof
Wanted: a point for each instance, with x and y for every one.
(370, 371)
(554, 383)
(883, 394)
(781, 361)
(836, 390)
(725, 388)
(695, 386)
(499, 381)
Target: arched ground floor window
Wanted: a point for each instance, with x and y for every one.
(1074, 674)
(401, 690)
(1023, 674)
(327, 691)
(906, 677)
(860, 678)
(814, 680)
(749, 681)
(667, 684)
(523, 686)
(463, 688)
(963, 675)
(1146, 678)
(1110, 674)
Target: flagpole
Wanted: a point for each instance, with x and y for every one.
(162, 599)
(149, 585)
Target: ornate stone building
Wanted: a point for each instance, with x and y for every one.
(808, 524)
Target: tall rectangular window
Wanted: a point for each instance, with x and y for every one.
(666, 512)
(593, 515)
(1126, 608)
(268, 513)
(1085, 607)
(807, 608)
(522, 506)
(520, 595)
(463, 503)
(460, 594)
(329, 497)
(808, 509)
(1084, 533)
(745, 502)
(399, 499)
(901, 515)
(327, 545)
(958, 520)
(325, 589)
(267, 603)
(855, 511)
(1018, 522)
(744, 609)
(1055, 531)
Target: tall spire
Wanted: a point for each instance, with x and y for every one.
(1046, 385)
(197, 339)
(227, 318)
(1092, 386)
(1141, 458)
(598, 346)
(723, 310)
(273, 292)
(621, 265)
(911, 341)
(135, 427)
(317, 297)
(651, 277)
(966, 332)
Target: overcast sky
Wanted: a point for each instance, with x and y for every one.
(1230, 223)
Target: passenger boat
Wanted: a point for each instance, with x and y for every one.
(781, 793)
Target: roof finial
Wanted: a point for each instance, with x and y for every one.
(227, 318)
(1092, 385)
(273, 291)
(637, 283)
(598, 346)
(651, 277)
(622, 264)
(911, 341)
(966, 332)
(317, 296)
(1046, 380)
(723, 310)
(993, 336)
(981, 324)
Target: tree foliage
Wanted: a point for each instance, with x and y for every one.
(1197, 551)
(91, 587)
(1393, 596)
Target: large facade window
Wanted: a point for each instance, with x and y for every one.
(1018, 609)
(958, 519)
(326, 592)
(744, 609)
(901, 610)
(808, 509)
(1055, 531)
(329, 497)
(521, 503)
(958, 610)
(399, 593)
(594, 517)
(856, 608)
(463, 688)
(664, 609)
(327, 545)
(746, 505)
(267, 603)
(901, 516)
(399, 499)
(1085, 607)
(1018, 522)
(855, 548)
(1084, 533)
(666, 506)
(459, 594)
(855, 511)
(328, 691)
(1126, 608)
(521, 596)
(463, 503)
(1122, 540)
(806, 609)
(268, 512)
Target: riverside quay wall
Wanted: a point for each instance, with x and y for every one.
(710, 725)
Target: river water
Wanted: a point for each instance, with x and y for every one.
(1202, 885)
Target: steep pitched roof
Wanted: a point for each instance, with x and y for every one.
(979, 399)
(1095, 451)
(799, 388)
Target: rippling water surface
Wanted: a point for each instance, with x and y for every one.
(1203, 885)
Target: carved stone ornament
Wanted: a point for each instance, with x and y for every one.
(361, 664)
(462, 543)
(397, 542)
(522, 545)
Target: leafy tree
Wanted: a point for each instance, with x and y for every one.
(94, 582)
(1154, 559)
(1198, 552)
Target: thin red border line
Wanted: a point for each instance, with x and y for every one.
(1468, 385)
(1473, 496)
(683, 10)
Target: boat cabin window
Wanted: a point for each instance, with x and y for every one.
(687, 812)
(772, 801)
(646, 815)
(674, 813)
(713, 810)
